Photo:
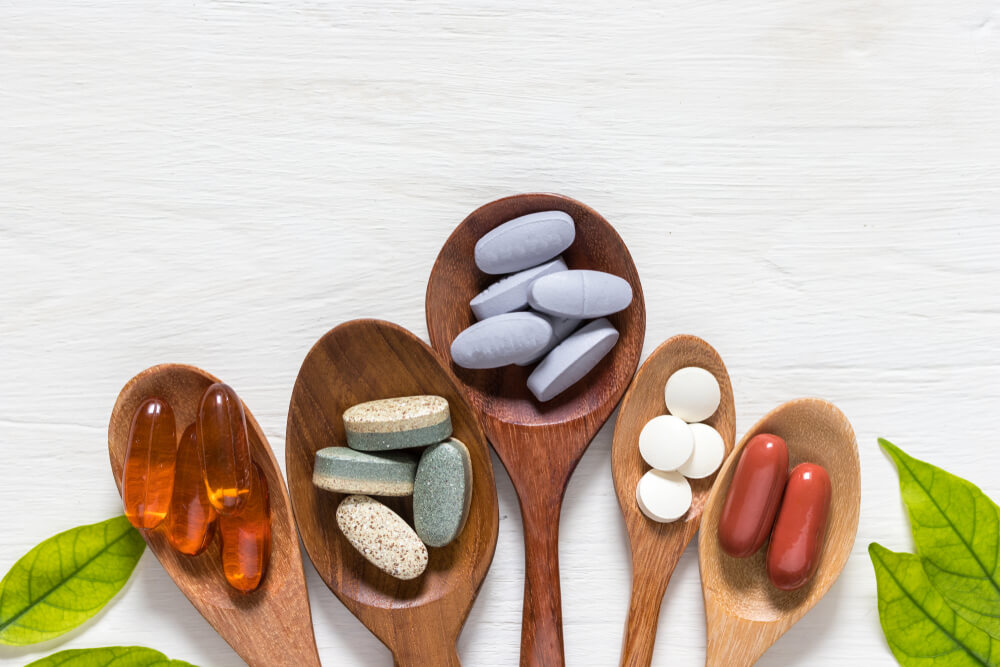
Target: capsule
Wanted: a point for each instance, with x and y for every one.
(150, 459)
(190, 523)
(225, 448)
(246, 537)
(797, 538)
(754, 496)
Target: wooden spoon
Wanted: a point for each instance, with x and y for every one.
(657, 547)
(272, 625)
(538, 443)
(362, 360)
(744, 613)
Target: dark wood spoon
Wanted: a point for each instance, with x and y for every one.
(362, 360)
(272, 625)
(657, 547)
(539, 444)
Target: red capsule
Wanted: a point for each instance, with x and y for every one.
(150, 459)
(246, 537)
(225, 448)
(190, 523)
(754, 496)
(797, 538)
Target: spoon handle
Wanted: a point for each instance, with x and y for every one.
(541, 621)
(650, 577)
(439, 655)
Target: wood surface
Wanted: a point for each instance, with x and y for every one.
(745, 614)
(657, 547)
(271, 625)
(539, 444)
(362, 360)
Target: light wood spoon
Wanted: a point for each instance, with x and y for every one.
(657, 547)
(362, 360)
(272, 625)
(538, 443)
(744, 613)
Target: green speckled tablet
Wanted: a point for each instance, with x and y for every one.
(397, 423)
(345, 470)
(442, 492)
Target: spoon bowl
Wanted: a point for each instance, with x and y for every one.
(539, 444)
(418, 620)
(745, 614)
(271, 625)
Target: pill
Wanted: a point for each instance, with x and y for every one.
(663, 495)
(692, 394)
(190, 523)
(511, 293)
(246, 537)
(382, 537)
(707, 454)
(561, 328)
(797, 538)
(572, 359)
(525, 242)
(754, 495)
(582, 294)
(666, 442)
(344, 470)
(501, 340)
(397, 423)
(225, 448)
(442, 492)
(149, 465)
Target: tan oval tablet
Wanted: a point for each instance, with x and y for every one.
(382, 536)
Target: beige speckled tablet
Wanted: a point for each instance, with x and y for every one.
(382, 536)
(397, 423)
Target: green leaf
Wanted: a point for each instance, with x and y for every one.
(921, 628)
(119, 656)
(66, 579)
(956, 528)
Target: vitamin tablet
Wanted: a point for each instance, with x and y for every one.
(501, 340)
(706, 457)
(753, 496)
(397, 423)
(581, 294)
(344, 470)
(150, 463)
(442, 492)
(572, 359)
(225, 448)
(246, 537)
(511, 293)
(663, 496)
(797, 538)
(666, 442)
(562, 327)
(382, 537)
(692, 394)
(190, 523)
(525, 242)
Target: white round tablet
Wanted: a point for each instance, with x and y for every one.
(663, 496)
(692, 394)
(666, 442)
(709, 450)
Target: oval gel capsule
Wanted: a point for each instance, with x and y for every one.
(754, 495)
(225, 448)
(150, 461)
(797, 538)
(190, 523)
(246, 537)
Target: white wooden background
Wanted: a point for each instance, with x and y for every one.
(813, 187)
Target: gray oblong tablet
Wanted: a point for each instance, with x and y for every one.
(561, 328)
(581, 293)
(511, 293)
(525, 242)
(442, 492)
(572, 359)
(501, 340)
(344, 470)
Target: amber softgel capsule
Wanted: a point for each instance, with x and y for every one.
(246, 537)
(190, 522)
(225, 448)
(150, 460)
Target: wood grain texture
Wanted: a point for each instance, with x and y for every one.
(745, 613)
(810, 187)
(363, 360)
(540, 444)
(657, 547)
(271, 625)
